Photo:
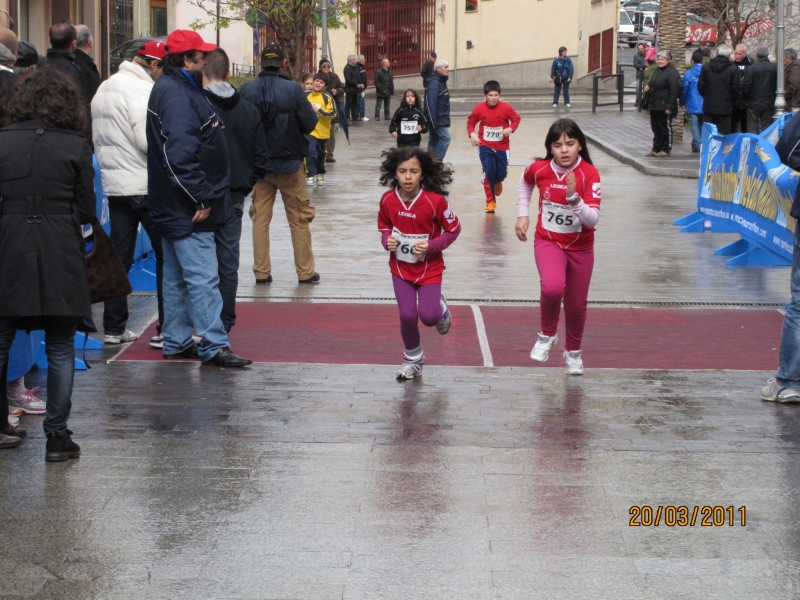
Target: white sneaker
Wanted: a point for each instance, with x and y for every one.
(124, 338)
(157, 342)
(320, 180)
(574, 362)
(555, 105)
(541, 350)
(444, 324)
(775, 392)
(310, 180)
(568, 105)
(409, 370)
(13, 421)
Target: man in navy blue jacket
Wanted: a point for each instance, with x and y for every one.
(437, 110)
(188, 195)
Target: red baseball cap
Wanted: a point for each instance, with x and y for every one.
(184, 40)
(154, 50)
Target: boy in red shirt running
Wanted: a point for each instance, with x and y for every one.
(498, 121)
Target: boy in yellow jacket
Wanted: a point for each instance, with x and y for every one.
(325, 106)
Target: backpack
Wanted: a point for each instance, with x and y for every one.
(265, 103)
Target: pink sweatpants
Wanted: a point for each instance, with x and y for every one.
(565, 274)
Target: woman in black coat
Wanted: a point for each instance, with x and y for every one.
(663, 91)
(46, 186)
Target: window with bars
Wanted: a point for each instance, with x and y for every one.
(121, 22)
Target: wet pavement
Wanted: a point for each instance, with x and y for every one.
(316, 481)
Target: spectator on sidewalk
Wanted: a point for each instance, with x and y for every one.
(437, 110)
(758, 88)
(664, 89)
(427, 69)
(325, 107)
(287, 147)
(703, 48)
(791, 75)
(61, 55)
(85, 43)
(692, 99)
(352, 89)
(561, 73)
(336, 89)
(119, 116)
(189, 199)
(640, 65)
(739, 114)
(27, 60)
(247, 153)
(361, 63)
(719, 86)
(384, 88)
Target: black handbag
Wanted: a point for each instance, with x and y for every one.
(104, 270)
(644, 104)
(557, 80)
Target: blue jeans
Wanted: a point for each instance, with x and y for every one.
(788, 374)
(557, 93)
(385, 100)
(315, 161)
(697, 128)
(227, 242)
(192, 300)
(439, 142)
(59, 345)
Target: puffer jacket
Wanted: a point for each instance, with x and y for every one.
(119, 130)
(665, 88)
(437, 101)
(187, 157)
(294, 117)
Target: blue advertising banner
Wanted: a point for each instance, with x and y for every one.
(744, 187)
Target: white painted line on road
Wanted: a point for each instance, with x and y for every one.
(783, 312)
(484, 341)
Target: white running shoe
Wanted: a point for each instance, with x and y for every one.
(409, 370)
(444, 324)
(555, 105)
(574, 362)
(157, 341)
(568, 105)
(541, 350)
(124, 338)
(775, 392)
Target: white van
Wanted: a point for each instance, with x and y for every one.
(626, 33)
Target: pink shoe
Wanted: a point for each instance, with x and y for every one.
(28, 402)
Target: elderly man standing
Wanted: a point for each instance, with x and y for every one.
(187, 192)
(361, 63)
(739, 114)
(85, 43)
(384, 88)
(352, 89)
(791, 74)
(758, 88)
(291, 117)
(719, 85)
(437, 110)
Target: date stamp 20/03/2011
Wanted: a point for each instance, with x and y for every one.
(683, 516)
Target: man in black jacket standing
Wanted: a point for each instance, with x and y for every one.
(352, 89)
(640, 65)
(719, 85)
(85, 43)
(61, 55)
(384, 88)
(247, 152)
(758, 88)
(739, 114)
(188, 176)
(288, 116)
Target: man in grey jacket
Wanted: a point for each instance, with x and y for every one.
(384, 88)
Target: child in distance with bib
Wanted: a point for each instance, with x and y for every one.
(569, 208)
(416, 225)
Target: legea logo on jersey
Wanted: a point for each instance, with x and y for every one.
(596, 190)
(449, 215)
(400, 213)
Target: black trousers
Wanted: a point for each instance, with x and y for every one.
(126, 213)
(352, 105)
(661, 124)
(739, 120)
(723, 122)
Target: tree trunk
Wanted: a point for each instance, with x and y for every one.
(672, 38)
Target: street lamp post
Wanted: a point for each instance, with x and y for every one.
(323, 15)
(780, 102)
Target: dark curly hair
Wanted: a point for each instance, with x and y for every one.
(435, 175)
(51, 94)
(8, 82)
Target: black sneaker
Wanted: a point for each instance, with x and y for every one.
(267, 280)
(313, 279)
(60, 447)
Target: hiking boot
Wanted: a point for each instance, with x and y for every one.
(409, 370)
(444, 324)
(9, 441)
(490, 206)
(574, 362)
(122, 338)
(60, 447)
(775, 392)
(27, 402)
(498, 188)
(541, 350)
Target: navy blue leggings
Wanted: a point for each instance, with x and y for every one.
(429, 309)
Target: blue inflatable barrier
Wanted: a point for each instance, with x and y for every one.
(744, 188)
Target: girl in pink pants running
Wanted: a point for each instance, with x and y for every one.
(569, 208)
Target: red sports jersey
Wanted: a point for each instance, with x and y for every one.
(423, 218)
(493, 120)
(556, 221)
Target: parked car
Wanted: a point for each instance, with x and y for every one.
(129, 49)
(626, 33)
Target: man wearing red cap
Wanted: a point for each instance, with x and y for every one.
(188, 195)
(119, 117)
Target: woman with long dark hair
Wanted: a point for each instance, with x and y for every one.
(46, 183)
(408, 123)
(569, 208)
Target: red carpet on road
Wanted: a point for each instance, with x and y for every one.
(618, 338)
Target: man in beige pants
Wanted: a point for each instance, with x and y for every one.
(287, 115)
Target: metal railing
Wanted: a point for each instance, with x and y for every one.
(620, 78)
(243, 70)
